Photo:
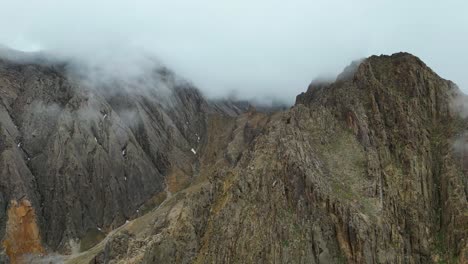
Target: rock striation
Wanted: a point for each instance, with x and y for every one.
(89, 156)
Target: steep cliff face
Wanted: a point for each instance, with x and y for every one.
(89, 156)
(362, 170)
(401, 113)
(368, 169)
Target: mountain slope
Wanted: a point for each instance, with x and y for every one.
(358, 171)
(87, 159)
(368, 169)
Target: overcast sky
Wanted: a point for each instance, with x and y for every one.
(255, 48)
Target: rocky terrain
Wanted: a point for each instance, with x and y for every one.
(368, 169)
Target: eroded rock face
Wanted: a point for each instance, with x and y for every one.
(358, 171)
(362, 170)
(21, 232)
(88, 156)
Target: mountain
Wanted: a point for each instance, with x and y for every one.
(368, 169)
(83, 158)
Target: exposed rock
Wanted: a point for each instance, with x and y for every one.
(368, 169)
(117, 247)
(87, 156)
(358, 171)
(22, 232)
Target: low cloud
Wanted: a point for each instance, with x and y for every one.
(259, 49)
(459, 103)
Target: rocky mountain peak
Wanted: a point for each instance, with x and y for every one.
(400, 71)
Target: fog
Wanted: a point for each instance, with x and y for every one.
(249, 49)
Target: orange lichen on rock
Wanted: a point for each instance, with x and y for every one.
(22, 232)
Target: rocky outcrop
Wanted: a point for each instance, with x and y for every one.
(22, 232)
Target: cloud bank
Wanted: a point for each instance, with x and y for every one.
(262, 49)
